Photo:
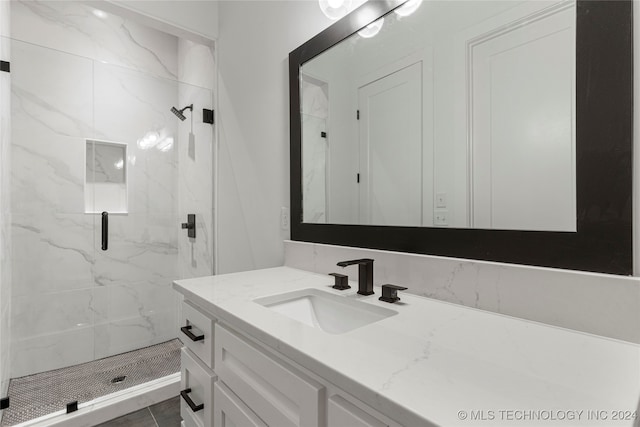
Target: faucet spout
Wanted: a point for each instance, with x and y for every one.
(365, 274)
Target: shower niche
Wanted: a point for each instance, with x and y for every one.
(105, 186)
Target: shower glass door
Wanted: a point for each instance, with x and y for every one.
(95, 145)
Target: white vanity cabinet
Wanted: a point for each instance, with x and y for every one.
(243, 383)
(196, 366)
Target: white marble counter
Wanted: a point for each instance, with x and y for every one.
(437, 363)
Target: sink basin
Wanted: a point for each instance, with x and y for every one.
(334, 314)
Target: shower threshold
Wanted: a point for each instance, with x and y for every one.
(90, 384)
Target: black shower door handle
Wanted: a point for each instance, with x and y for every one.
(105, 231)
(185, 395)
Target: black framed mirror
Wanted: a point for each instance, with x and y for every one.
(602, 238)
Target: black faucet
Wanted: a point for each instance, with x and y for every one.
(365, 274)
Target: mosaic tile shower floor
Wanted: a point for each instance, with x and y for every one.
(40, 394)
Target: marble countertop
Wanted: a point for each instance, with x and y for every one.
(437, 363)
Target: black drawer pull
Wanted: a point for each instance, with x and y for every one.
(185, 395)
(187, 331)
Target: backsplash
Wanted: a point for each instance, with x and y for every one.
(600, 304)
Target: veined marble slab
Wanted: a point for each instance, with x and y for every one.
(436, 363)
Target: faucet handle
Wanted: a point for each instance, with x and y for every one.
(342, 281)
(390, 293)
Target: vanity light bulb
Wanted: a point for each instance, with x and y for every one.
(371, 29)
(335, 9)
(408, 8)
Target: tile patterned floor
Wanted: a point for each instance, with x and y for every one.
(163, 414)
(41, 394)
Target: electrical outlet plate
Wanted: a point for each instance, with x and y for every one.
(284, 218)
(441, 218)
(441, 200)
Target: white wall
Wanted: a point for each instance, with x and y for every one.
(255, 38)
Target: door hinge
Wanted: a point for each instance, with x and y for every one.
(5, 66)
(323, 134)
(358, 178)
(357, 114)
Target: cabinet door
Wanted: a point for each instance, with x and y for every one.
(196, 389)
(230, 411)
(345, 414)
(278, 393)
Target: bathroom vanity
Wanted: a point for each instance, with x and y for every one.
(280, 347)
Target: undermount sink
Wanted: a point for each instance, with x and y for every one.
(334, 314)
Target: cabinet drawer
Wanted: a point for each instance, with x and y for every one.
(196, 332)
(188, 419)
(196, 385)
(345, 414)
(278, 393)
(230, 411)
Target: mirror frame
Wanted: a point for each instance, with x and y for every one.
(604, 142)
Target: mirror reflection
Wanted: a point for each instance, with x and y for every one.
(445, 114)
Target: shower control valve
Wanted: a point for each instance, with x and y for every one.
(190, 225)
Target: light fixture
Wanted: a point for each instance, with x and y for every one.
(334, 9)
(371, 29)
(408, 8)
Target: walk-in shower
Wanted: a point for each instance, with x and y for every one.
(92, 137)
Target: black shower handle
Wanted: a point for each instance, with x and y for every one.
(185, 395)
(105, 231)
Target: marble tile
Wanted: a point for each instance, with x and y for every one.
(142, 248)
(314, 99)
(122, 302)
(595, 303)
(314, 165)
(195, 152)
(196, 64)
(57, 312)
(5, 346)
(135, 332)
(51, 116)
(52, 252)
(5, 19)
(105, 162)
(51, 351)
(80, 29)
(134, 108)
(5, 208)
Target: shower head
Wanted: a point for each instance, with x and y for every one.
(179, 114)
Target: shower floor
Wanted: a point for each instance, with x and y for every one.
(40, 394)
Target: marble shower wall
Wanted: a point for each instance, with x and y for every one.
(196, 68)
(5, 205)
(315, 112)
(106, 79)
